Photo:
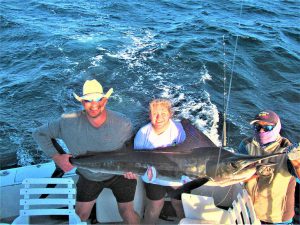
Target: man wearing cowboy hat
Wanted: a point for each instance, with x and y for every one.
(93, 129)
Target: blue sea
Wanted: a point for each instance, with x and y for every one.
(206, 56)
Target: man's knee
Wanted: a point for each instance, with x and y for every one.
(177, 205)
(125, 208)
(83, 215)
(156, 204)
(83, 209)
(128, 213)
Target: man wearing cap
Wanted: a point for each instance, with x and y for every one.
(93, 129)
(272, 190)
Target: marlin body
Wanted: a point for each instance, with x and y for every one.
(170, 165)
(197, 158)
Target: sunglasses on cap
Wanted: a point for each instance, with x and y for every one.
(266, 128)
(92, 100)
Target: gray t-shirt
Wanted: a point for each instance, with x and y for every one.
(81, 137)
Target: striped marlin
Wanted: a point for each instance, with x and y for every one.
(197, 157)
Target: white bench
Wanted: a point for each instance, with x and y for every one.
(64, 194)
(202, 210)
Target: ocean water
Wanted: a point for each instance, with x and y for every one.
(184, 50)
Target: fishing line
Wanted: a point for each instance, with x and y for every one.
(224, 135)
(226, 101)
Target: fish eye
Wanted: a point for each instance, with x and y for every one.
(233, 165)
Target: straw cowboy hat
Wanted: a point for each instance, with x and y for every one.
(92, 90)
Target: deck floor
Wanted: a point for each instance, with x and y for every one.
(51, 220)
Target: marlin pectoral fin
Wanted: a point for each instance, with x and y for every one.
(191, 185)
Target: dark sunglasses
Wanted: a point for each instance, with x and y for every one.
(92, 100)
(266, 128)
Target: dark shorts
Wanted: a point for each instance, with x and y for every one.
(157, 192)
(122, 188)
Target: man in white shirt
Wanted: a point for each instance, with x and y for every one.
(162, 131)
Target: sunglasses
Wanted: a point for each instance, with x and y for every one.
(266, 128)
(92, 100)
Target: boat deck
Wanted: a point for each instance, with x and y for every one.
(55, 220)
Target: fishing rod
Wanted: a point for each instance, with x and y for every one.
(231, 75)
(226, 100)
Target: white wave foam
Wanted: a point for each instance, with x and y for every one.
(95, 61)
(84, 37)
(199, 110)
(24, 157)
(138, 51)
(205, 75)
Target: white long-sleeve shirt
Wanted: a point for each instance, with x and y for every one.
(146, 138)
